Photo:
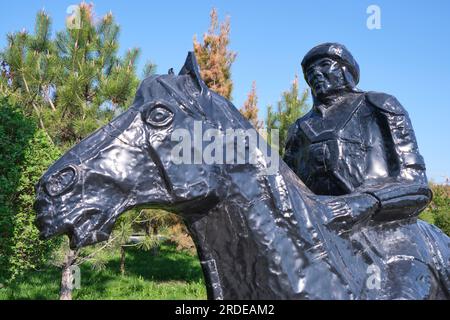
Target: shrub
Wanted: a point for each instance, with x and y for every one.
(440, 207)
(438, 211)
(25, 153)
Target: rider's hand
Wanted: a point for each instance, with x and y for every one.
(347, 210)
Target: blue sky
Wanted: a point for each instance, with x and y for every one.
(408, 57)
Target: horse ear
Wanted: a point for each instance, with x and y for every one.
(191, 68)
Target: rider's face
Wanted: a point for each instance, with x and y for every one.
(325, 76)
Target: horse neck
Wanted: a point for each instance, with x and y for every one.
(250, 244)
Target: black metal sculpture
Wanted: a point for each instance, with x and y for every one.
(356, 143)
(258, 236)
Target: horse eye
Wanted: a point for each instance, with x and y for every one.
(61, 181)
(159, 116)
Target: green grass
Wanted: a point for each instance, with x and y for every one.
(169, 275)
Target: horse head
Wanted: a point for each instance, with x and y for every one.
(129, 163)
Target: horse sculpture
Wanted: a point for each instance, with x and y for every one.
(257, 236)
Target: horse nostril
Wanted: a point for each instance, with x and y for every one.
(61, 181)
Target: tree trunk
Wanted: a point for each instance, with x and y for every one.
(122, 260)
(148, 227)
(155, 249)
(67, 276)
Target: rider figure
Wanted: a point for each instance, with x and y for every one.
(357, 145)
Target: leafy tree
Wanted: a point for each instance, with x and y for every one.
(292, 106)
(250, 108)
(214, 57)
(25, 153)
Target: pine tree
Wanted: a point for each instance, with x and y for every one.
(291, 107)
(97, 83)
(214, 57)
(149, 69)
(250, 108)
(29, 67)
(72, 83)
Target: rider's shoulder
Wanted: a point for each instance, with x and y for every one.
(305, 117)
(385, 102)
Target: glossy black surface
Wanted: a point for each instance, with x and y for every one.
(258, 236)
(355, 142)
